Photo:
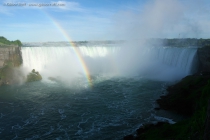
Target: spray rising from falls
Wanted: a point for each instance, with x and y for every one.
(159, 63)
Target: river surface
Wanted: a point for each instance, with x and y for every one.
(96, 91)
(113, 108)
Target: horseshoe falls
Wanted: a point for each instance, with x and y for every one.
(168, 63)
(126, 81)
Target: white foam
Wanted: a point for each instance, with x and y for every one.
(17, 127)
(61, 111)
(15, 137)
(163, 119)
(49, 132)
(159, 63)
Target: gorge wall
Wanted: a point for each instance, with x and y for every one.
(10, 58)
(10, 53)
(204, 59)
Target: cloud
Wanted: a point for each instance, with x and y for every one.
(4, 9)
(9, 7)
(72, 6)
(163, 19)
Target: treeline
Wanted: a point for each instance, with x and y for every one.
(186, 42)
(3, 40)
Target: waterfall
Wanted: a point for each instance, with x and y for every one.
(162, 63)
(183, 58)
(171, 62)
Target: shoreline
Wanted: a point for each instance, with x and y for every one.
(189, 97)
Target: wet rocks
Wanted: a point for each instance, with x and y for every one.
(34, 76)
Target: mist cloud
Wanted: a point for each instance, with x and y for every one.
(164, 19)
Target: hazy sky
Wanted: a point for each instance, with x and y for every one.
(31, 21)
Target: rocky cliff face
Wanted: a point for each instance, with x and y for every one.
(204, 59)
(10, 58)
(11, 53)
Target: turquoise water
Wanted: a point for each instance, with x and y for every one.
(113, 108)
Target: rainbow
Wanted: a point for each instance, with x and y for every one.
(77, 52)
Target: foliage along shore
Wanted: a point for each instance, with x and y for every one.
(5, 43)
(189, 97)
